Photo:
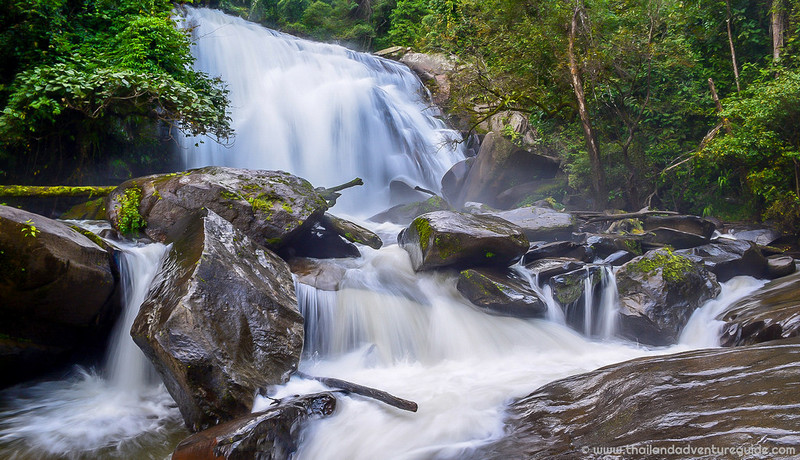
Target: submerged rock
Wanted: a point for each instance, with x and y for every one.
(270, 207)
(221, 323)
(500, 293)
(272, 434)
(770, 313)
(451, 239)
(58, 292)
(721, 397)
(658, 292)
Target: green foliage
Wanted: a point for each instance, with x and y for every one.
(673, 267)
(29, 230)
(128, 217)
(79, 76)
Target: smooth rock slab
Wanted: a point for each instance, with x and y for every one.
(221, 323)
(770, 313)
(500, 293)
(540, 223)
(452, 239)
(727, 258)
(721, 397)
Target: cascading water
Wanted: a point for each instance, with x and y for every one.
(322, 112)
(123, 411)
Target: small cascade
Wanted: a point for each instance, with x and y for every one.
(609, 303)
(320, 111)
(544, 292)
(588, 302)
(121, 412)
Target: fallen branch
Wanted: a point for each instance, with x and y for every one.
(47, 191)
(368, 392)
(628, 215)
(426, 191)
(332, 194)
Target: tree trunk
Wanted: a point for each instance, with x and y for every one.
(733, 50)
(598, 175)
(714, 96)
(778, 14)
(54, 191)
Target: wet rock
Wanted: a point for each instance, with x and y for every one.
(779, 266)
(500, 293)
(434, 69)
(727, 258)
(606, 244)
(272, 434)
(540, 223)
(760, 236)
(91, 210)
(405, 213)
(720, 397)
(500, 163)
(618, 258)
(514, 197)
(770, 313)
(401, 192)
(322, 274)
(563, 249)
(674, 238)
(451, 239)
(351, 231)
(270, 207)
(545, 269)
(687, 224)
(658, 293)
(222, 322)
(569, 287)
(319, 242)
(58, 293)
(453, 179)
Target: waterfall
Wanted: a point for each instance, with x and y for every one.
(123, 411)
(319, 111)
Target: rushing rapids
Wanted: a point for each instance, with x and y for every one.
(330, 114)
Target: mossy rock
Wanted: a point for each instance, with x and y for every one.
(91, 210)
(501, 293)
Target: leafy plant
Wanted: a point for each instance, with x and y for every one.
(128, 217)
(29, 230)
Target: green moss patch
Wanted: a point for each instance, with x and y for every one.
(673, 267)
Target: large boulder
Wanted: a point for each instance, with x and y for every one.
(500, 293)
(272, 434)
(222, 322)
(351, 231)
(499, 165)
(709, 399)
(770, 313)
(270, 207)
(727, 258)
(452, 239)
(57, 293)
(453, 180)
(540, 223)
(686, 224)
(658, 292)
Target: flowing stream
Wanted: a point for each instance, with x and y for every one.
(329, 114)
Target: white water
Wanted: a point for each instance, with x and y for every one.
(319, 111)
(414, 336)
(93, 414)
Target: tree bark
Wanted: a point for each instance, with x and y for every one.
(362, 390)
(733, 50)
(715, 96)
(598, 174)
(778, 25)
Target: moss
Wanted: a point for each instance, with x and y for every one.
(423, 228)
(673, 267)
(634, 246)
(129, 220)
(274, 241)
(447, 245)
(489, 254)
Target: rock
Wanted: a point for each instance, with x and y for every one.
(451, 239)
(434, 69)
(393, 52)
(270, 207)
(222, 323)
(760, 236)
(402, 193)
(499, 164)
(738, 398)
(544, 269)
(351, 231)
(516, 122)
(514, 197)
(727, 258)
(686, 224)
(319, 242)
(780, 266)
(404, 213)
(453, 179)
(569, 287)
(618, 258)
(500, 293)
(770, 313)
(559, 249)
(268, 435)
(91, 210)
(540, 223)
(674, 238)
(321, 274)
(606, 244)
(658, 293)
(58, 293)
